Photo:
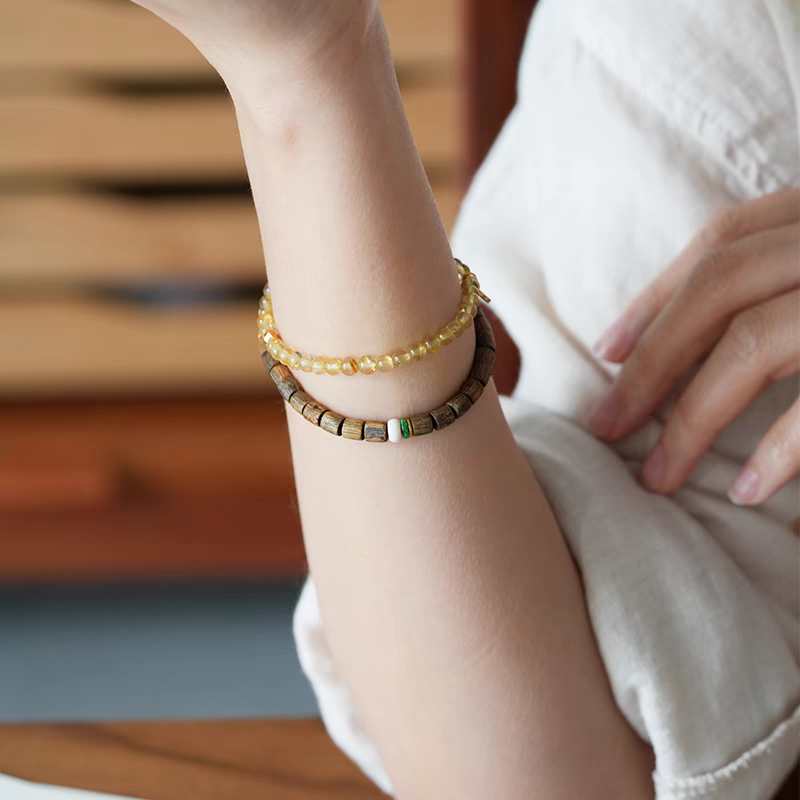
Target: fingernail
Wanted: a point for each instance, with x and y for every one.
(605, 414)
(613, 341)
(654, 468)
(745, 487)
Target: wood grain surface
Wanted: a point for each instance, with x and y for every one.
(160, 490)
(224, 760)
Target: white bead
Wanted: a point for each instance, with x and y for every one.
(394, 431)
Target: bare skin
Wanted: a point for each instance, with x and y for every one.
(449, 597)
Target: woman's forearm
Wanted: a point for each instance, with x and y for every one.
(357, 256)
(449, 597)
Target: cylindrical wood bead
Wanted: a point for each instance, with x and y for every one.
(421, 424)
(442, 417)
(483, 331)
(313, 411)
(483, 364)
(331, 422)
(375, 431)
(284, 380)
(353, 428)
(472, 388)
(269, 360)
(460, 404)
(299, 400)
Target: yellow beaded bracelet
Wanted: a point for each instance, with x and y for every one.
(393, 430)
(271, 339)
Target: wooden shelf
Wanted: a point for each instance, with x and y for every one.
(161, 490)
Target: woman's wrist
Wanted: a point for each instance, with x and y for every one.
(288, 85)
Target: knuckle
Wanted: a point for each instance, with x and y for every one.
(782, 447)
(723, 227)
(684, 420)
(747, 335)
(711, 277)
(637, 373)
(681, 428)
(779, 450)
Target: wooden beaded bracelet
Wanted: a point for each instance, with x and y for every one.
(393, 430)
(268, 334)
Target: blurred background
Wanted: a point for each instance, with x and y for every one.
(150, 548)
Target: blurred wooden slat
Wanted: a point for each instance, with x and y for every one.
(202, 489)
(108, 138)
(85, 239)
(83, 346)
(116, 39)
(155, 449)
(276, 759)
(167, 540)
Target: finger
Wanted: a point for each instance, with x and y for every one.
(775, 462)
(724, 227)
(725, 282)
(760, 346)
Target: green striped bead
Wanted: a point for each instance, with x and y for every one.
(405, 428)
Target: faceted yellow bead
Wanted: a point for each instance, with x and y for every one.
(473, 298)
(401, 357)
(445, 336)
(333, 366)
(305, 362)
(454, 328)
(294, 359)
(471, 309)
(386, 363)
(367, 364)
(349, 366)
(418, 351)
(464, 319)
(432, 343)
(318, 365)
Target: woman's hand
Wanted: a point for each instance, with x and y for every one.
(732, 300)
(285, 34)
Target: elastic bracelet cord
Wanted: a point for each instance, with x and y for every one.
(393, 430)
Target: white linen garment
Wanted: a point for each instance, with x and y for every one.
(636, 119)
